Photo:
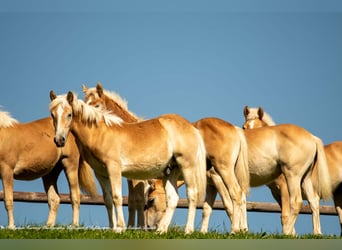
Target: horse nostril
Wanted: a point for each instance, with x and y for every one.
(60, 142)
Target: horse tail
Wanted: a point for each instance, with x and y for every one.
(241, 167)
(320, 172)
(201, 171)
(86, 178)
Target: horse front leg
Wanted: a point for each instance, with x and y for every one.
(50, 187)
(115, 178)
(338, 205)
(171, 195)
(131, 203)
(7, 182)
(107, 198)
(71, 172)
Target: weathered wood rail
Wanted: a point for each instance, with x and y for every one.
(265, 207)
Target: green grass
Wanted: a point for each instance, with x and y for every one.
(173, 233)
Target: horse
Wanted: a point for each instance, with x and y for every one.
(137, 189)
(165, 147)
(231, 160)
(27, 152)
(290, 151)
(256, 118)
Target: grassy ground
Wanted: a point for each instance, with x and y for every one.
(173, 233)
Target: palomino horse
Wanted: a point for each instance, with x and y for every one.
(27, 152)
(256, 118)
(137, 189)
(289, 150)
(231, 160)
(166, 147)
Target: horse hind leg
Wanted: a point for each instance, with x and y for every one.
(210, 196)
(313, 199)
(293, 184)
(228, 176)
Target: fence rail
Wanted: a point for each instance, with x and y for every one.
(265, 207)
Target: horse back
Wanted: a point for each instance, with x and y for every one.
(218, 135)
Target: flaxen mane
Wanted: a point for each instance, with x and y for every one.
(116, 99)
(6, 120)
(87, 113)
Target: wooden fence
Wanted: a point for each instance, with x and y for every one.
(264, 207)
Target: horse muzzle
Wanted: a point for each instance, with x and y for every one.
(59, 141)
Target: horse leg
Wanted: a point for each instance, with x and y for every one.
(71, 172)
(50, 187)
(171, 195)
(140, 202)
(313, 199)
(107, 198)
(228, 176)
(280, 193)
(210, 196)
(131, 203)
(293, 184)
(115, 178)
(7, 183)
(338, 204)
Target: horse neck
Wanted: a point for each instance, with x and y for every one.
(85, 132)
(118, 110)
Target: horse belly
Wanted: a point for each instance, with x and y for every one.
(30, 168)
(142, 171)
(262, 174)
(146, 162)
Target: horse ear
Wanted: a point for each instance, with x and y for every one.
(70, 97)
(246, 111)
(99, 89)
(260, 112)
(84, 88)
(53, 95)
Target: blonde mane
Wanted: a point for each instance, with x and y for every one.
(115, 97)
(6, 121)
(88, 114)
(253, 114)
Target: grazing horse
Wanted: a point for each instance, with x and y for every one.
(290, 151)
(166, 147)
(229, 163)
(28, 152)
(256, 118)
(137, 189)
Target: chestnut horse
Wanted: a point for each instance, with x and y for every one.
(28, 152)
(166, 147)
(137, 189)
(256, 118)
(230, 162)
(289, 150)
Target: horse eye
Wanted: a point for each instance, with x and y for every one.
(150, 202)
(69, 115)
(97, 105)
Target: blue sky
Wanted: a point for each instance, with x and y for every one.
(195, 59)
